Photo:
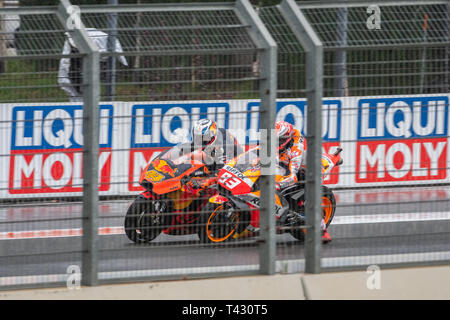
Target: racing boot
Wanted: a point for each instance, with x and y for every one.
(326, 238)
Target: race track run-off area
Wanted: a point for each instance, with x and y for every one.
(375, 226)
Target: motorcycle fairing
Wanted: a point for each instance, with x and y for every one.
(218, 199)
(180, 199)
(165, 173)
(234, 180)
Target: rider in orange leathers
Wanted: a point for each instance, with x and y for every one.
(292, 156)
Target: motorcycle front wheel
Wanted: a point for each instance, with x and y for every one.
(142, 225)
(220, 222)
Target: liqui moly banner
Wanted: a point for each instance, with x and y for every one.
(402, 140)
(158, 126)
(294, 111)
(390, 140)
(46, 149)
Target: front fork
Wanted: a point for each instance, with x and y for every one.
(158, 207)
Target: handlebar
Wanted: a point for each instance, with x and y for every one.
(338, 150)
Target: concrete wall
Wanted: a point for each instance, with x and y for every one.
(408, 283)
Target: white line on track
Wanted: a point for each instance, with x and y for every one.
(391, 217)
(338, 220)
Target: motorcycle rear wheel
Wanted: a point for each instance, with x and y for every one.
(220, 222)
(328, 210)
(328, 205)
(141, 224)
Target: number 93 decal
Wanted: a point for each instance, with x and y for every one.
(229, 180)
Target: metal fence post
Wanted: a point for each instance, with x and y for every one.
(3, 49)
(91, 92)
(267, 88)
(91, 72)
(447, 49)
(314, 75)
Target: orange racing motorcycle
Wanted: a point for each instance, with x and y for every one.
(167, 205)
(235, 208)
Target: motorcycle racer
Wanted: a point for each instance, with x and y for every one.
(291, 156)
(218, 143)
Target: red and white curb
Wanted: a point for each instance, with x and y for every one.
(338, 220)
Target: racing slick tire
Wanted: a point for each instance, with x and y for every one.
(220, 222)
(142, 225)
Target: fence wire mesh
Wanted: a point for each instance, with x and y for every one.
(161, 70)
(389, 87)
(40, 232)
(291, 56)
(181, 66)
(149, 67)
(407, 53)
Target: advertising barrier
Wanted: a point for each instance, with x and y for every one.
(47, 149)
(386, 141)
(402, 139)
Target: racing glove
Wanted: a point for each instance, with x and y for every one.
(196, 185)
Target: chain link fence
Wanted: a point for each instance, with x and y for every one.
(145, 74)
(34, 166)
(180, 64)
(385, 71)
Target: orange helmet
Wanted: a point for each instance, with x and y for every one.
(284, 132)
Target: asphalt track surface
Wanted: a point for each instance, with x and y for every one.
(378, 222)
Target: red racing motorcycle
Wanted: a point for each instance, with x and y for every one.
(167, 205)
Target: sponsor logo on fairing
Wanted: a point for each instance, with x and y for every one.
(47, 149)
(402, 139)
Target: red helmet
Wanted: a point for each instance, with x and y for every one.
(285, 133)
